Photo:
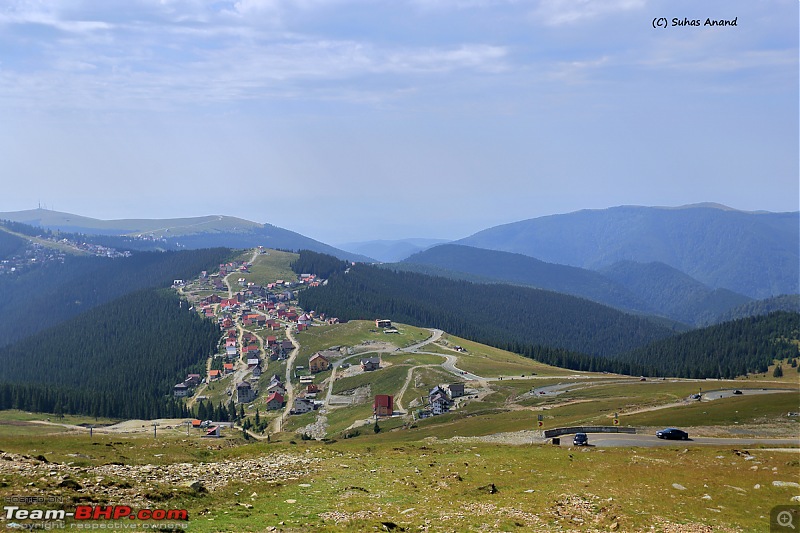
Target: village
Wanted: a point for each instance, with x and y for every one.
(258, 367)
(52, 250)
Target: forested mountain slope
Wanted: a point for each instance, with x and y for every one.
(54, 292)
(120, 359)
(495, 314)
(725, 350)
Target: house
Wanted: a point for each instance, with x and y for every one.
(257, 371)
(456, 390)
(304, 319)
(214, 375)
(440, 403)
(302, 405)
(302, 327)
(312, 388)
(245, 392)
(272, 340)
(213, 432)
(287, 345)
(192, 379)
(253, 362)
(370, 363)
(181, 390)
(230, 352)
(333, 320)
(383, 405)
(251, 350)
(275, 401)
(196, 423)
(383, 323)
(227, 368)
(318, 363)
(276, 387)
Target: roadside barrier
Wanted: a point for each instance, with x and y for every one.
(549, 433)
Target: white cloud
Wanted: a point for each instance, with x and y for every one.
(563, 12)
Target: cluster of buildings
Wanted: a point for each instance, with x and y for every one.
(441, 399)
(186, 387)
(34, 254)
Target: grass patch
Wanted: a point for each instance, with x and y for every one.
(725, 411)
(355, 333)
(383, 381)
(487, 361)
(270, 267)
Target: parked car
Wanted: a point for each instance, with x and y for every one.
(581, 439)
(737, 391)
(695, 396)
(672, 434)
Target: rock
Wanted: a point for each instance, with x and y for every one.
(489, 489)
(197, 486)
(706, 497)
(756, 486)
(614, 526)
(795, 499)
(291, 501)
(786, 484)
(678, 486)
(70, 484)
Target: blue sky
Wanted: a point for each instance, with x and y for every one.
(363, 119)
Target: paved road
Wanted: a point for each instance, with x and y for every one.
(728, 393)
(607, 440)
(436, 334)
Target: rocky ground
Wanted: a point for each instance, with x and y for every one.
(142, 485)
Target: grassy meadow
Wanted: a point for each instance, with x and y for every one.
(375, 482)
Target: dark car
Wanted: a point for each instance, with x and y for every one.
(581, 439)
(672, 434)
(737, 391)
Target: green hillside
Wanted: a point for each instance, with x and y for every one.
(57, 291)
(727, 350)
(519, 319)
(672, 293)
(120, 359)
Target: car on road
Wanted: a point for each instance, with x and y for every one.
(695, 396)
(672, 434)
(737, 391)
(581, 439)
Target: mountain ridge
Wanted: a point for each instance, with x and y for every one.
(721, 248)
(208, 231)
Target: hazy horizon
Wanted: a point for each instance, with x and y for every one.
(350, 121)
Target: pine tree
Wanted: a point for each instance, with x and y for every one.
(778, 372)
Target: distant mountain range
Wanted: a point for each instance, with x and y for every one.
(756, 254)
(652, 288)
(180, 233)
(691, 264)
(389, 251)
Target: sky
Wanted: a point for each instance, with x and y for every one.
(349, 120)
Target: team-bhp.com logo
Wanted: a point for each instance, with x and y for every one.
(95, 512)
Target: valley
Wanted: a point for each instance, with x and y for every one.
(462, 447)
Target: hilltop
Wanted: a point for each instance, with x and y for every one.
(176, 233)
(720, 247)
